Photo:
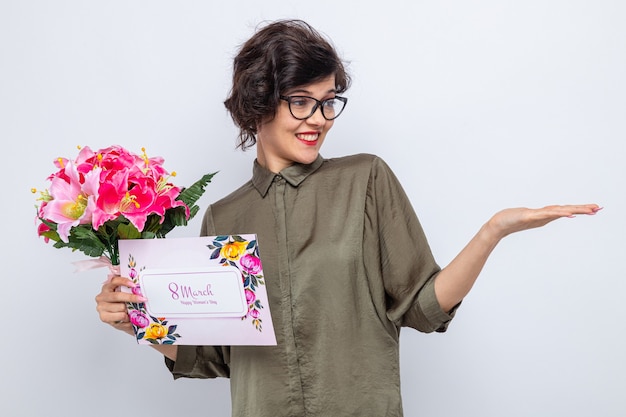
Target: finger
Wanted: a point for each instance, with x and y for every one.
(104, 307)
(118, 297)
(122, 324)
(110, 291)
(112, 312)
(588, 209)
(114, 318)
(118, 281)
(570, 210)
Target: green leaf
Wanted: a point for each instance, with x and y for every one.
(50, 224)
(84, 239)
(177, 216)
(148, 235)
(191, 194)
(153, 223)
(52, 235)
(173, 217)
(128, 231)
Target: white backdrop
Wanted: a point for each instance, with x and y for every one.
(476, 105)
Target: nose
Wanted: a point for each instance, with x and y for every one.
(317, 118)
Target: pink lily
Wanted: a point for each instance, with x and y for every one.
(72, 202)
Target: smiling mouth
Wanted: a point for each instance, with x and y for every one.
(308, 137)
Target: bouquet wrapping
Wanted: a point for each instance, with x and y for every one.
(103, 196)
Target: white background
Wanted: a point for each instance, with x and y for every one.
(476, 105)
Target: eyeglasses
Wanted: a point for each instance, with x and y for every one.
(303, 107)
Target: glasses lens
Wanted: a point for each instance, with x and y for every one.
(301, 107)
(332, 108)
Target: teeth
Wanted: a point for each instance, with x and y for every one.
(308, 138)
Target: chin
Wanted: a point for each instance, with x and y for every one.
(308, 159)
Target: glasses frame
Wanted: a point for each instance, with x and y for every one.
(318, 104)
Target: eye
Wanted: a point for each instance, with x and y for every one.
(330, 103)
(299, 101)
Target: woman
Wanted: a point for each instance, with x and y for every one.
(345, 259)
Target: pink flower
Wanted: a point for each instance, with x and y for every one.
(132, 186)
(138, 318)
(41, 229)
(111, 194)
(73, 201)
(112, 159)
(251, 264)
(140, 201)
(250, 296)
(136, 290)
(253, 312)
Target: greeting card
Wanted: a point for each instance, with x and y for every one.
(199, 291)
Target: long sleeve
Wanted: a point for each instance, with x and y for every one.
(401, 254)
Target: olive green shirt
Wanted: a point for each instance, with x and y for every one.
(346, 264)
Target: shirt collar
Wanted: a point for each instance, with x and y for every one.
(262, 178)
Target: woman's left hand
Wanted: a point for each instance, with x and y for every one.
(514, 220)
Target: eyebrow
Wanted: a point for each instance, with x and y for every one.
(303, 91)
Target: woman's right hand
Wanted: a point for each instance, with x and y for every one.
(111, 303)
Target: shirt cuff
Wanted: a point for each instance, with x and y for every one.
(185, 361)
(436, 317)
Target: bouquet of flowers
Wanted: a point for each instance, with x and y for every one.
(111, 194)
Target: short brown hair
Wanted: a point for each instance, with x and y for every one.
(280, 56)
